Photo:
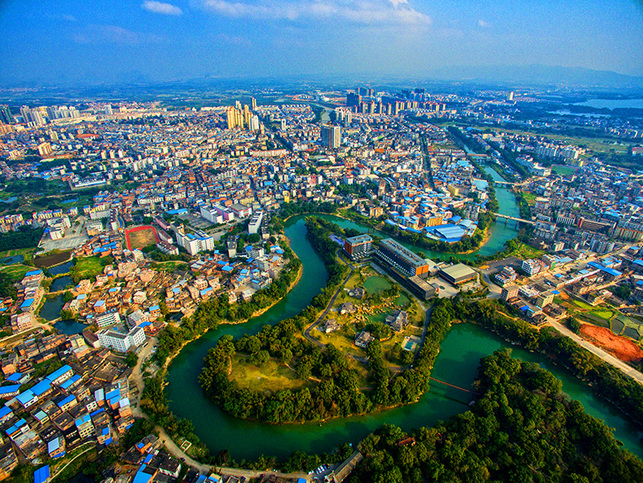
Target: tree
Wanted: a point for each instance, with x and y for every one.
(131, 359)
(573, 325)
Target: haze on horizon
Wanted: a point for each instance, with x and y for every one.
(78, 42)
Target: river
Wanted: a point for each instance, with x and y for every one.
(457, 364)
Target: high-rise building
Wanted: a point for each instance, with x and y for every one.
(235, 118)
(331, 136)
(253, 103)
(358, 246)
(254, 123)
(108, 110)
(5, 115)
(353, 99)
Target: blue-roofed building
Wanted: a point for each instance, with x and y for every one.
(41, 475)
(27, 398)
(142, 476)
(5, 414)
(61, 375)
(26, 305)
(15, 377)
(9, 391)
(33, 273)
(69, 383)
(41, 388)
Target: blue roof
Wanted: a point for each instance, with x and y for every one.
(70, 382)
(27, 303)
(32, 273)
(142, 477)
(67, 400)
(25, 397)
(9, 389)
(4, 411)
(42, 387)
(56, 374)
(14, 377)
(83, 419)
(41, 474)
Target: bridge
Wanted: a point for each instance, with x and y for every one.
(508, 183)
(507, 217)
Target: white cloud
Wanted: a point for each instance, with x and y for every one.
(112, 34)
(363, 12)
(483, 24)
(161, 7)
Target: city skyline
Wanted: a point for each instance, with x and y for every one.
(72, 42)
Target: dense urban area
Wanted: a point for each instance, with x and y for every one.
(130, 229)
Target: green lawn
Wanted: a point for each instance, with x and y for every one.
(17, 272)
(530, 198)
(376, 284)
(563, 170)
(87, 267)
(272, 376)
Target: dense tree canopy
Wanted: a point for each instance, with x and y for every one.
(521, 429)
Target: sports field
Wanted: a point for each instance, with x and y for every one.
(140, 236)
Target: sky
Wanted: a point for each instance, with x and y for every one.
(109, 41)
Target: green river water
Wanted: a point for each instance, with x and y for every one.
(456, 364)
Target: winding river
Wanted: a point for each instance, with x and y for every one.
(457, 364)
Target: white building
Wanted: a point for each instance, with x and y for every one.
(119, 342)
(255, 222)
(107, 320)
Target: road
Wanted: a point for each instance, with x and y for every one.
(325, 312)
(597, 351)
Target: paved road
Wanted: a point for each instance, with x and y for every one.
(597, 351)
(325, 312)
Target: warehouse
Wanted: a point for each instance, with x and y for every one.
(458, 274)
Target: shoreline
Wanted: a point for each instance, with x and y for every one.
(257, 313)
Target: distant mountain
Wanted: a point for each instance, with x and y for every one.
(537, 74)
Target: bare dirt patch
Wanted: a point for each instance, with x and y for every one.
(621, 347)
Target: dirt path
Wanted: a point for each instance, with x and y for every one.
(597, 351)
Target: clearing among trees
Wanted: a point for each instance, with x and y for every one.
(140, 236)
(621, 347)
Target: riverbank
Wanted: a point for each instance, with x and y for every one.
(255, 314)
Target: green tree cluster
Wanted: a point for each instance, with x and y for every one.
(521, 428)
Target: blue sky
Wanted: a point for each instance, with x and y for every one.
(74, 41)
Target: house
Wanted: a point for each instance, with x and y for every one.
(363, 339)
(398, 320)
(331, 325)
(347, 308)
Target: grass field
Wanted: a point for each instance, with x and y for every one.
(87, 267)
(563, 170)
(17, 272)
(272, 376)
(376, 284)
(530, 198)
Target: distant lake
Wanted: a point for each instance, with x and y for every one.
(613, 103)
(567, 112)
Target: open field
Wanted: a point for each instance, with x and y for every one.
(52, 259)
(598, 145)
(621, 347)
(16, 272)
(87, 267)
(140, 236)
(271, 376)
(563, 170)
